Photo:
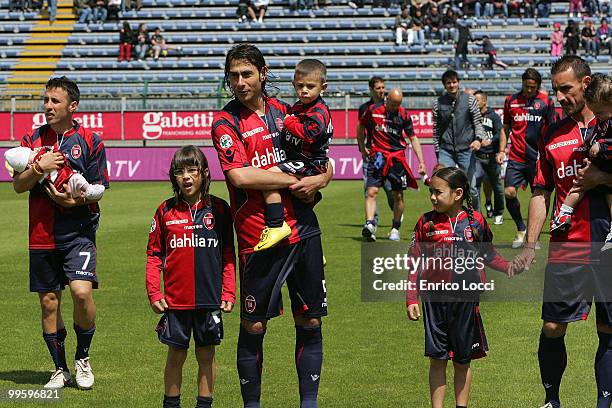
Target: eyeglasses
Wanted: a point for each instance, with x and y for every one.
(191, 171)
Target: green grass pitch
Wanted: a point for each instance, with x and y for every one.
(373, 357)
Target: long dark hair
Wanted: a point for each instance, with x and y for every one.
(249, 53)
(190, 156)
(456, 178)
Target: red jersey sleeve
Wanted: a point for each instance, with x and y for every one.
(97, 172)
(493, 258)
(367, 117)
(155, 258)
(507, 117)
(408, 126)
(544, 178)
(551, 113)
(308, 126)
(228, 143)
(412, 294)
(228, 290)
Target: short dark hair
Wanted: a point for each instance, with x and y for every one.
(580, 67)
(449, 74)
(189, 156)
(249, 53)
(599, 90)
(311, 66)
(374, 80)
(481, 92)
(71, 88)
(532, 74)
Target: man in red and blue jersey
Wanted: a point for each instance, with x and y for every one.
(63, 228)
(526, 114)
(247, 136)
(387, 122)
(575, 273)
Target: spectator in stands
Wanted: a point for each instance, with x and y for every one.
(592, 7)
(489, 49)
(100, 12)
(417, 29)
(588, 35)
(544, 8)
(403, 27)
(433, 24)
(127, 5)
(604, 36)
(84, 10)
(126, 40)
(245, 7)
(113, 7)
(143, 42)
(158, 42)
(572, 37)
(556, 41)
(522, 8)
(575, 8)
(500, 6)
(488, 8)
(52, 5)
(422, 5)
(448, 31)
(461, 47)
(260, 7)
(605, 7)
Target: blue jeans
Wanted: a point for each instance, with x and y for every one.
(85, 15)
(467, 162)
(490, 169)
(419, 37)
(141, 51)
(100, 14)
(52, 9)
(544, 10)
(477, 9)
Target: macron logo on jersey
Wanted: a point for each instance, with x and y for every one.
(273, 156)
(526, 117)
(568, 171)
(561, 144)
(191, 241)
(252, 132)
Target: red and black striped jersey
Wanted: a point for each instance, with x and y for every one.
(360, 112)
(193, 246)
(387, 128)
(562, 151)
(527, 118)
(440, 242)
(308, 131)
(53, 226)
(242, 138)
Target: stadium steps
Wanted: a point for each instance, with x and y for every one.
(41, 52)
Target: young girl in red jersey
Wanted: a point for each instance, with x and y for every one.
(192, 243)
(453, 328)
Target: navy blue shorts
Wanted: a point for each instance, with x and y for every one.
(454, 330)
(519, 174)
(569, 291)
(175, 328)
(397, 176)
(303, 168)
(52, 269)
(262, 275)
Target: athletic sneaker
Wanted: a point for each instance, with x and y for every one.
(547, 405)
(272, 236)
(498, 220)
(519, 239)
(561, 223)
(83, 375)
(489, 208)
(59, 379)
(368, 232)
(608, 244)
(394, 234)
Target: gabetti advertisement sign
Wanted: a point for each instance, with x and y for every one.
(152, 163)
(159, 125)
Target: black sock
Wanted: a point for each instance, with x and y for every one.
(172, 402)
(204, 402)
(460, 406)
(488, 203)
(308, 362)
(373, 222)
(55, 344)
(249, 359)
(514, 208)
(552, 357)
(603, 370)
(84, 338)
(397, 224)
(274, 214)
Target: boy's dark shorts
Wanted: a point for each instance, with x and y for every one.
(175, 327)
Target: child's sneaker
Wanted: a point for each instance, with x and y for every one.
(368, 232)
(394, 234)
(272, 236)
(59, 379)
(608, 244)
(519, 239)
(82, 374)
(561, 223)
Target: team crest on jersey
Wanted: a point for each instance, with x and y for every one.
(209, 221)
(537, 105)
(250, 304)
(153, 226)
(225, 141)
(75, 152)
(467, 233)
(279, 124)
